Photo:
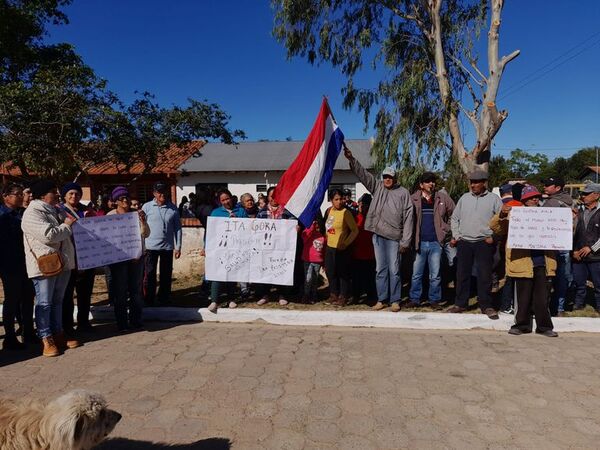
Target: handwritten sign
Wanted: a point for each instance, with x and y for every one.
(104, 240)
(540, 228)
(251, 250)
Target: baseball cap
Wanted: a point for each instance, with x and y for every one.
(556, 181)
(590, 188)
(506, 189)
(389, 172)
(530, 191)
(161, 186)
(428, 176)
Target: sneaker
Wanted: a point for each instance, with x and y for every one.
(283, 302)
(455, 309)
(436, 306)
(491, 313)
(395, 307)
(515, 331)
(379, 306)
(262, 301)
(509, 310)
(548, 333)
(232, 304)
(213, 307)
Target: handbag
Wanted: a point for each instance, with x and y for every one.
(51, 264)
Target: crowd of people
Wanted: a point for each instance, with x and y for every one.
(358, 246)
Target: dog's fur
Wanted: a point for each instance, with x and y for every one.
(78, 420)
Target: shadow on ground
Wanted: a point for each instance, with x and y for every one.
(132, 444)
(101, 331)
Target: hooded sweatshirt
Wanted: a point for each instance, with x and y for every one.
(559, 200)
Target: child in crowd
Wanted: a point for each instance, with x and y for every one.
(341, 232)
(312, 254)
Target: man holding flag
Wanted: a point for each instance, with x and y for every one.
(390, 219)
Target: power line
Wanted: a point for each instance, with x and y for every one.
(533, 77)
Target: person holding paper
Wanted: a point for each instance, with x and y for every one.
(531, 270)
(82, 281)
(163, 244)
(227, 209)
(127, 276)
(586, 246)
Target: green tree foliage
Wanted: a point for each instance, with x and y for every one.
(57, 118)
(422, 49)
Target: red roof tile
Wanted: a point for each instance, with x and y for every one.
(169, 163)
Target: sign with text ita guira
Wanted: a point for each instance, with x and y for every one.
(104, 240)
(251, 250)
(540, 228)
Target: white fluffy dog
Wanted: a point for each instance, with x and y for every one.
(78, 420)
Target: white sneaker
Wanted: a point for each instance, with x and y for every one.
(262, 301)
(213, 307)
(232, 304)
(283, 302)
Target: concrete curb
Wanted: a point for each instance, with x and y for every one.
(374, 319)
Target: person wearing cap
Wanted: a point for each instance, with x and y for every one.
(163, 244)
(18, 288)
(432, 210)
(558, 198)
(472, 236)
(46, 230)
(81, 281)
(349, 204)
(127, 276)
(531, 271)
(390, 219)
(586, 246)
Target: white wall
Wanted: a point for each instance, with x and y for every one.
(241, 182)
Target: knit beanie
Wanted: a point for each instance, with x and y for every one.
(41, 188)
(119, 191)
(70, 187)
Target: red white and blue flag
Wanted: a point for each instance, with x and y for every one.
(303, 185)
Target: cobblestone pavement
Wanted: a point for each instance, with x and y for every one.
(255, 386)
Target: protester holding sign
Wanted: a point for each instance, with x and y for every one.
(586, 251)
(531, 270)
(127, 275)
(163, 244)
(47, 231)
(227, 209)
(81, 281)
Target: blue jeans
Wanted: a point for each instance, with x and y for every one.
(49, 293)
(127, 277)
(387, 278)
(429, 253)
(311, 281)
(581, 272)
(563, 279)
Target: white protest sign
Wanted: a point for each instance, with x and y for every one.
(107, 240)
(251, 250)
(540, 228)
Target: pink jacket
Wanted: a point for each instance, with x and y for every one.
(314, 245)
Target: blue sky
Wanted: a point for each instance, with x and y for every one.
(223, 51)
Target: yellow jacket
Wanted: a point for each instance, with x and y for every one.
(518, 261)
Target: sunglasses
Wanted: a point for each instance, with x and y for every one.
(123, 199)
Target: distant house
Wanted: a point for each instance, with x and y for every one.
(251, 167)
(589, 174)
(102, 178)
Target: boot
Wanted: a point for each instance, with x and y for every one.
(50, 348)
(64, 342)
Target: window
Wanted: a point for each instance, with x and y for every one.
(261, 188)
